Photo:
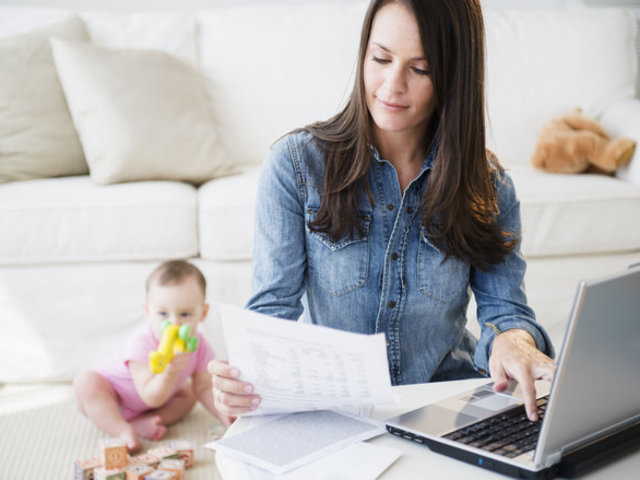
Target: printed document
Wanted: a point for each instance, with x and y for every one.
(282, 443)
(297, 366)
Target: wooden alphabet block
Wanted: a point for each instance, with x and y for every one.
(185, 451)
(114, 453)
(83, 469)
(164, 453)
(145, 459)
(137, 472)
(109, 474)
(173, 465)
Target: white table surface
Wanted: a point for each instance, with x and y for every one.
(418, 462)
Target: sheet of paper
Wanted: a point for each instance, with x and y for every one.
(295, 439)
(363, 461)
(297, 366)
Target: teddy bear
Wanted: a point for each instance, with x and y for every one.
(576, 143)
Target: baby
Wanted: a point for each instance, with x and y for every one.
(122, 396)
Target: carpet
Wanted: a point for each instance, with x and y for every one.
(42, 434)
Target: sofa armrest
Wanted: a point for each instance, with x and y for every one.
(623, 119)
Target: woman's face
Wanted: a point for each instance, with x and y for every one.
(397, 81)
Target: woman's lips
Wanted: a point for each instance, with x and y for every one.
(391, 106)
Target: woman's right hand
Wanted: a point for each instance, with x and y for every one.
(232, 397)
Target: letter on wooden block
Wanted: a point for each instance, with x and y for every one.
(114, 453)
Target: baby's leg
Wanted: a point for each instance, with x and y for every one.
(151, 424)
(178, 405)
(97, 399)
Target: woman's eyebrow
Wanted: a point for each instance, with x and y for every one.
(379, 45)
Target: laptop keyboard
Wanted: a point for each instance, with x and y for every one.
(509, 433)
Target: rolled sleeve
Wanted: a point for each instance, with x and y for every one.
(499, 291)
(491, 330)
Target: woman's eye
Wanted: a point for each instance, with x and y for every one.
(162, 314)
(421, 71)
(380, 60)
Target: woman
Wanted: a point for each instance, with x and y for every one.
(382, 217)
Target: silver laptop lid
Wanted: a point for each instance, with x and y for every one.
(597, 386)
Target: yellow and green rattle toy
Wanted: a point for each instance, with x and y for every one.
(175, 338)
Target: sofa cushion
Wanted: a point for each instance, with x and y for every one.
(172, 32)
(37, 136)
(541, 63)
(140, 114)
(69, 219)
(273, 68)
(565, 214)
(225, 216)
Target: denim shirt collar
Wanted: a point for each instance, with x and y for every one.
(428, 161)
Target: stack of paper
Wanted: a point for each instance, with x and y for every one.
(308, 372)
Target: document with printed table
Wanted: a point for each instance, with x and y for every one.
(297, 366)
(310, 379)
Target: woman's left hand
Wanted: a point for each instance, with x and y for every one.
(514, 356)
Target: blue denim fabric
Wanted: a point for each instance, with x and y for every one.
(390, 278)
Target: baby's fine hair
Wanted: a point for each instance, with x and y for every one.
(173, 272)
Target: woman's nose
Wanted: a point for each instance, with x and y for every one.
(395, 81)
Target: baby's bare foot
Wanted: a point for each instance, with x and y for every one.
(149, 426)
(131, 439)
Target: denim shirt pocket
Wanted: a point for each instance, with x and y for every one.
(442, 281)
(338, 267)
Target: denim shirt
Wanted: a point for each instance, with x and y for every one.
(388, 279)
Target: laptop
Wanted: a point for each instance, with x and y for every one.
(590, 413)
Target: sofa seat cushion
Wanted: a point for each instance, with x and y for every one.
(68, 219)
(576, 214)
(226, 210)
(561, 214)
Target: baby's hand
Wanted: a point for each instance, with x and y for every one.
(179, 363)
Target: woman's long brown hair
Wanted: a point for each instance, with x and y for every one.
(459, 206)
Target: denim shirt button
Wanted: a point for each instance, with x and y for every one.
(390, 207)
(388, 342)
(391, 304)
(409, 210)
(394, 256)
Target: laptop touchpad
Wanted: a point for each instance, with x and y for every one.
(434, 420)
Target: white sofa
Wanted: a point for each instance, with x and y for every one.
(74, 256)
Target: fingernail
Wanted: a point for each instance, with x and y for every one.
(248, 389)
(255, 401)
(533, 417)
(235, 372)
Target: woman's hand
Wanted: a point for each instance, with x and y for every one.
(232, 397)
(514, 356)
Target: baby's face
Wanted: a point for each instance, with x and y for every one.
(181, 303)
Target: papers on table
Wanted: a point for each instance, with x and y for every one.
(364, 461)
(285, 442)
(305, 373)
(297, 366)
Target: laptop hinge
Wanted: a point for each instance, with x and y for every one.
(552, 459)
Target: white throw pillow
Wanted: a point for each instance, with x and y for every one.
(37, 136)
(140, 114)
